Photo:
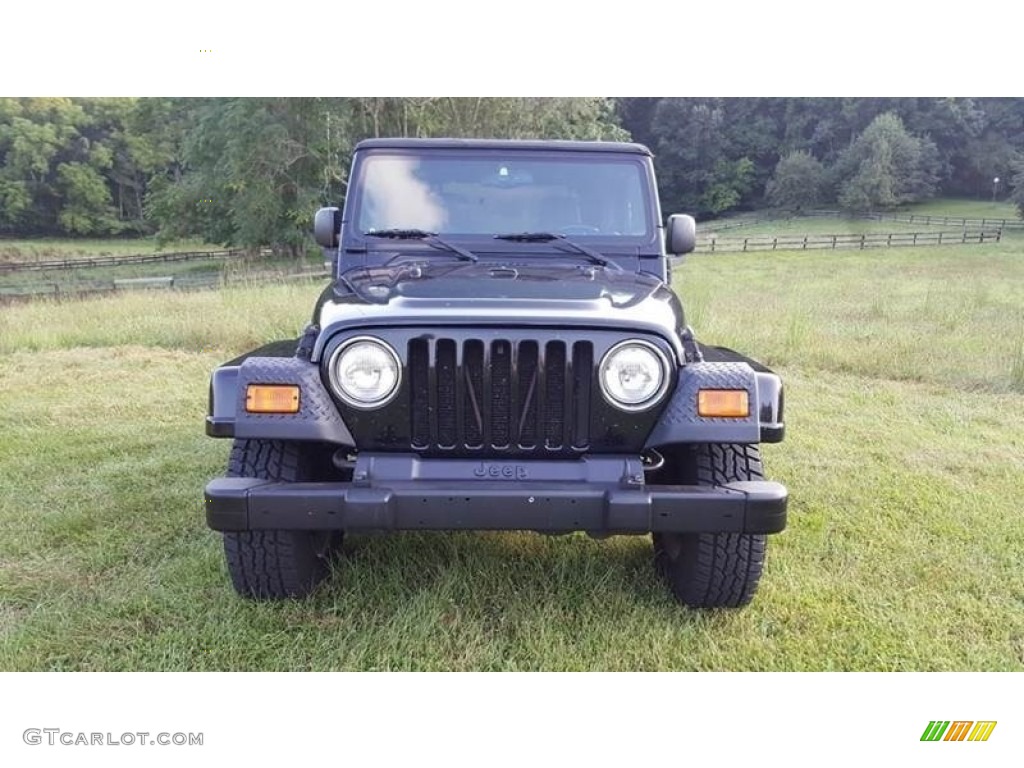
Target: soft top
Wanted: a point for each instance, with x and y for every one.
(506, 144)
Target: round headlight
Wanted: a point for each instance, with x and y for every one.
(634, 375)
(365, 372)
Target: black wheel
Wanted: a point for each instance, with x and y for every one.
(713, 570)
(277, 564)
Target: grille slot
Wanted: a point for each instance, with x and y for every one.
(582, 371)
(447, 434)
(505, 395)
(554, 394)
(419, 426)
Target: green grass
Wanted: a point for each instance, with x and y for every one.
(46, 248)
(971, 209)
(809, 225)
(904, 458)
(754, 225)
(228, 321)
(948, 316)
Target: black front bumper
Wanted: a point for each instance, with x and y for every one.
(241, 504)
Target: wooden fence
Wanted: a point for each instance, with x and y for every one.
(917, 218)
(118, 261)
(713, 243)
(191, 283)
(725, 224)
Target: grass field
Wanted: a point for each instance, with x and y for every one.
(904, 458)
(972, 209)
(756, 224)
(46, 248)
(807, 225)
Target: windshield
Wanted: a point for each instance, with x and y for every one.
(463, 193)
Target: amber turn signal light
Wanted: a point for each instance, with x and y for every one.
(723, 403)
(271, 398)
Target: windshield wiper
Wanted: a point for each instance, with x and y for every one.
(547, 237)
(430, 238)
(401, 234)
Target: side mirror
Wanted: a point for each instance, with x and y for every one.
(682, 234)
(326, 224)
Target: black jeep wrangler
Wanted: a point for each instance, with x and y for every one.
(499, 349)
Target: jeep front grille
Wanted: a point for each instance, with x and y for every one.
(508, 395)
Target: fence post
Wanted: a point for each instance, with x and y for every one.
(775, 243)
(964, 240)
(915, 238)
(888, 241)
(833, 242)
(712, 245)
(744, 245)
(940, 238)
(862, 241)
(999, 233)
(805, 242)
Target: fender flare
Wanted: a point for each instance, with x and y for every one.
(317, 420)
(681, 423)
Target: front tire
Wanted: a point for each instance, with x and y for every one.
(277, 564)
(714, 570)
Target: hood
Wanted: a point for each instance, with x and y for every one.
(496, 281)
(502, 293)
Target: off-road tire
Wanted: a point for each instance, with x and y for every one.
(713, 570)
(277, 564)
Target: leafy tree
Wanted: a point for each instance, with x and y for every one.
(15, 200)
(990, 156)
(636, 115)
(717, 154)
(873, 184)
(61, 162)
(730, 180)
(247, 172)
(799, 181)
(951, 123)
(512, 118)
(1017, 182)
(87, 205)
(696, 172)
(886, 166)
(32, 134)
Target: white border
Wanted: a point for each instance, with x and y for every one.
(593, 720)
(534, 48)
(526, 48)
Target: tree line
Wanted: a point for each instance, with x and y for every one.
(250, 171)
(716, 155)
